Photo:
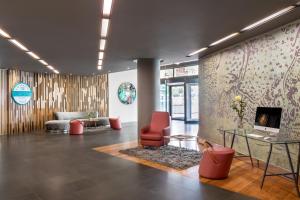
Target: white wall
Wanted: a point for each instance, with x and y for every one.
(127, 113)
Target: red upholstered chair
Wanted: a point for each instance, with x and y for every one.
(152, 135)
(216, 162)
(76, 127)
(115, 123)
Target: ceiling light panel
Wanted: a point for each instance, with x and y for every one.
(269, 18)
(224, 39)
(99, 67)
(104, 27)
(100, 62)
(107, 4)
(18, 44)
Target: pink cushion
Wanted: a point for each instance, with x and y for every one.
(115, 123)
(159, 121)
(151, 136)
(216, 163)
(76, 127)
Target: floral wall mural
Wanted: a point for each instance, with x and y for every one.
(265, 71)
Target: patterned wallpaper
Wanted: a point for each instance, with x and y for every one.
(265, 71)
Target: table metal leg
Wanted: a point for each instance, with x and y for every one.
(292, 168)
(298, 163)
(180, 148)
(267, 165)
(249, 152)
(232, 141)
(224, 140)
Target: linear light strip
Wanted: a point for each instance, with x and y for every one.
(269, 18)
(33, 55)
(101, 55)
(4, 34)
(18, 44)
(106, 12)
(250, 27)
(104, 28)
(107, 4)
(102, 44)
(198, 51)
(224, 39)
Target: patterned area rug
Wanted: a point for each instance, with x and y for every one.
(169, 156)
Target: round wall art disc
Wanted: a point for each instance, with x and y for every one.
(21, 93)
(127, 93)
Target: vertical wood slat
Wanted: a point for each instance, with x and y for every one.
(51, 93)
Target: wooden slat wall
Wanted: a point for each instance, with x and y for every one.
(3, 102)
(51, 93)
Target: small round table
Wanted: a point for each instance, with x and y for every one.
(180, 138)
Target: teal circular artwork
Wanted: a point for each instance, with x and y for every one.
(21, 93)
(127, 93)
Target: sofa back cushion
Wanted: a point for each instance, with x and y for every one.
(75, 115)
(159, 121)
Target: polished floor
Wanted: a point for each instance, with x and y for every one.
(54, 167)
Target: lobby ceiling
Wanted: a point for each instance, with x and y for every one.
(66, 33)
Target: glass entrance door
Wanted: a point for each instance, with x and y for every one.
(192, 102)
(177, 102)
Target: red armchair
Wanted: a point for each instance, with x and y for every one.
(153, 135)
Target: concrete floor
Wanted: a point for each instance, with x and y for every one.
(54, 167)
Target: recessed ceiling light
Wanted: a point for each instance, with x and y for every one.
(107, 7)
(102, 44)
(43, 62)
(101, 55)
(104, 27)
(50, 67)
(18, 44)
(56, 72)
(269, 18)
(198, 51)
(135, 61)
(99, 67)
(4, 34)
(33, 55)
(224, 39)
(100, 62)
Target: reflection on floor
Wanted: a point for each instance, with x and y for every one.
(179, 127)
(243, 177)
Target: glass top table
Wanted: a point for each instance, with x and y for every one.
(284, 137)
